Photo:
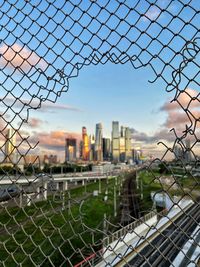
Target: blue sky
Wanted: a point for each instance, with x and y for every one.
(110, 92)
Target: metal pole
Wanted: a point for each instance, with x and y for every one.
(99, 186)
(141, 189)
(63, 198)
(137, 182)
(21, 197)
(104, 224)
(45, 190)
(115, 202)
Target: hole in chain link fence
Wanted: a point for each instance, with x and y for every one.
(43, 45)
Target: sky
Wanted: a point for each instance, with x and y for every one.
(41, 47)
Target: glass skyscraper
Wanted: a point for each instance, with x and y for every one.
(98, 142)
(115, 141)
(106, 149)
(85, 148)
(128, 148)
(70, 149)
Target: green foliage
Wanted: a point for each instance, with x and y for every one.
(63, 228)
(9, 170)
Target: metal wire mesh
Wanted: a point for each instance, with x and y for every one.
(44, 43)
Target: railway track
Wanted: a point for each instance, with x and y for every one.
(130, 202)
(163, 249)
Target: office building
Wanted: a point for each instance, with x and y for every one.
(128, 148)
(122, 149)
(106, 149)
(123, 130)
(85, 144)
(98, 142)
(70, 149)
(80, 149)
(53, 159)
(115, 141)
(92, 148)
(122, 145)
(10, 150)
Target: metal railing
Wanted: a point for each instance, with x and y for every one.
(128, 229)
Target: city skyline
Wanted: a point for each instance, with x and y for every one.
(87, 147)
(144, 123)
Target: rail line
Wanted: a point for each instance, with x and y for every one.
(164, 248)
(130, 202)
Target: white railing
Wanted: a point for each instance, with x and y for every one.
(127, 229)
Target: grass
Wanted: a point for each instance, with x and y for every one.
(58, 235)
(151, 183)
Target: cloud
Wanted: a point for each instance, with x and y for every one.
(186, 99)
(54, 140)
(158, 9)
(34, 123)
(141, 137)
(17, 56)
(35, 103)
(152, 13)
(184, 111)
(162, 134)
(48, 106)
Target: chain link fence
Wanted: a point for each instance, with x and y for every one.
(45, 43)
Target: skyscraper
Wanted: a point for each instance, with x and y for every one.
(106, 148)
(122, 144)
(10, 152)
(92, 148)
(128, 148)
(98, 142)
(70, 149)
(115, 141)
(123, 129)
(85, 148)
(122, 148)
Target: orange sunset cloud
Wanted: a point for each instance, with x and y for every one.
(17, 56)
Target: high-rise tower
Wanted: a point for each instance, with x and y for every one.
(106, 148)
(128, 148)
(98, 142)
(10, 151)
(70, 149)
(115, 141)
(85, 148)
(92, 148)
(122, 144)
